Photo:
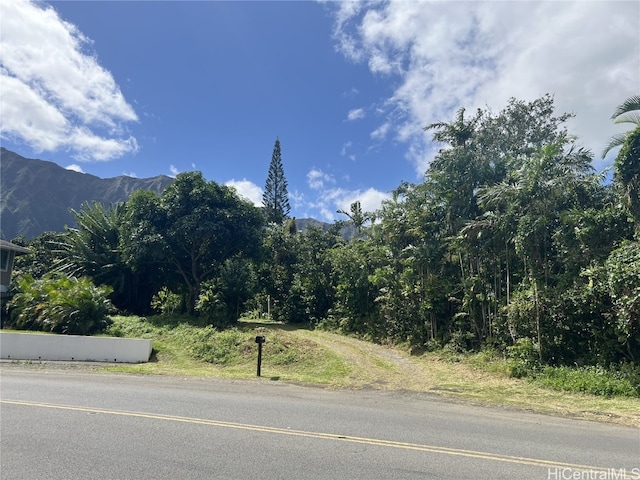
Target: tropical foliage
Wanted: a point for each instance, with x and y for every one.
(511, 242)
(61, 304)
(627, 112)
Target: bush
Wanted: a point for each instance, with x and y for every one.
(212, 307)
(631, 372)
(524, 358)
(60, 304)
(591, 380)
(623, 268)
(166, 302)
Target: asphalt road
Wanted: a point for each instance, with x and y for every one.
(70, 425)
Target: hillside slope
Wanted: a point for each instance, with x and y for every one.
(36, 195)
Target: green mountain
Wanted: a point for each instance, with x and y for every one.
(36, 195)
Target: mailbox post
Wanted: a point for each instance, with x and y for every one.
(260, 339)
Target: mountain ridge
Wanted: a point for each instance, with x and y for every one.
(36, 195)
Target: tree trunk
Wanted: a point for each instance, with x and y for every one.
(536, 301)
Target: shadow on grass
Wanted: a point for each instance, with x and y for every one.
(250, 324)
(153, 358)
(172, 321)
(244, 324)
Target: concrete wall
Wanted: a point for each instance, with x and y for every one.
(32, 346)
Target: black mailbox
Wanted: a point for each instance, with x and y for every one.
(260, 340)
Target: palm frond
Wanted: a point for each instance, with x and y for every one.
(629, 105)
(616, 141)
(629, 117)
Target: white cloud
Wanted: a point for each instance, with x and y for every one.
(130, 174)
(353, 92)
(345, 42)
(345, 151)
(248, 190)
(381, 132)
(174, 171)
(355, 114)
(370, 199)
(316, 179)
(297, 200)
(75, 168)
(55, 95)
(445, 55)
(333, 199)
(329, 198)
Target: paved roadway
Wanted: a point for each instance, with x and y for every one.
(70, 425)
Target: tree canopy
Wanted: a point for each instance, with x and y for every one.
(510, 242)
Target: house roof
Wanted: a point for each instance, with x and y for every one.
(4, 245)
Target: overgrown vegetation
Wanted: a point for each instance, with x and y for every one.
(286, 354)
(232, 351)
(60, 304)
(512, 242)
(592, 380)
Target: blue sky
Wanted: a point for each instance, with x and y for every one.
(157, 87)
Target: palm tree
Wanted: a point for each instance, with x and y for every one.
(527, 205)
(92, 248)
(457, 132)
(357, 217)
(627, 112)
(627, 163)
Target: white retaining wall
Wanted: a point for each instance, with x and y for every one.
(31, 346)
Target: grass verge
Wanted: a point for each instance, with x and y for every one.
(327, 359)
(192, 350)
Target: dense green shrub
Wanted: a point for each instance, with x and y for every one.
(524, 358)
(166, 302)
(212, 307)
(60, 304)
(623, 268)
(591, 380)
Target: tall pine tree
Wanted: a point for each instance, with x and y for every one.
(275, 198)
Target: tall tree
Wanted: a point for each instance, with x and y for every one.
(535, 194)
(280, 254)
(195, 226)
(276, 198)
(142, 248)
(107, 246)
(482, 152)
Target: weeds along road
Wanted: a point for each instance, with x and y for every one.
(78, 425)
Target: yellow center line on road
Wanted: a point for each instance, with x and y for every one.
(324, 436)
